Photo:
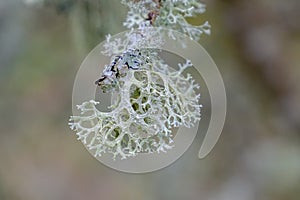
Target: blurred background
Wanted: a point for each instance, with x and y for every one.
(256, 45)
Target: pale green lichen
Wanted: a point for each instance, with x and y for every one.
(151, 102)
(151, 97)
(169, 14)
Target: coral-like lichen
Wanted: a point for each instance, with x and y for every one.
(169, 14)
(153, 100)
(150, 97)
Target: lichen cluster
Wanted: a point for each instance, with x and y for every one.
(152, 102)
(169, 14)
(151, 98)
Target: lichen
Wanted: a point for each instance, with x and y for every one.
(153, 101)
(152, 98)
(169, 14)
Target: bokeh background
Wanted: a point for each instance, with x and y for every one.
(256, 45)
